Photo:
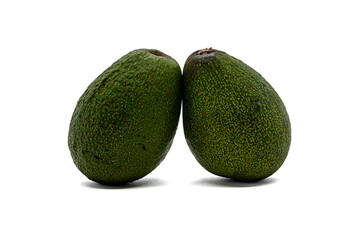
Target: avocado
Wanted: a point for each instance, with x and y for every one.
(235, 123)
(124, 123)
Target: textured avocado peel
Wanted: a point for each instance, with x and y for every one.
(235, 123)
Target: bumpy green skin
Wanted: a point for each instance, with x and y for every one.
(234, 122)
(125, 121)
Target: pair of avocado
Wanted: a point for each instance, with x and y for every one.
(235, 123)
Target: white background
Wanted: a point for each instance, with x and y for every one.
(51, 51)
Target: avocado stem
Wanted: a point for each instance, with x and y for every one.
(160, 54)
(205, 51)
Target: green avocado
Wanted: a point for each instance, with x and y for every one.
(124, 123)
(235, 123)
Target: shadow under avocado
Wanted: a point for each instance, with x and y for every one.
(227, 182)
(141, 183)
